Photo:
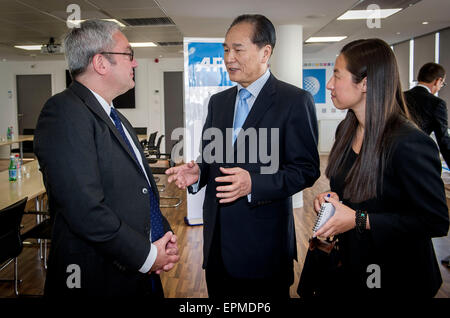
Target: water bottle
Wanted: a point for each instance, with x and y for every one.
(12, 169)
(8, 133)
(12, 132)
(18, 167)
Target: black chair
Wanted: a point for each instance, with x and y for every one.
(152, 139)
(140, 130)
(150, 143)
(41, 232)
(10, 239)
(156, 152)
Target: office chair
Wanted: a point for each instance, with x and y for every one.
(140, 130)
(10, 240)
(41, 232)
(151, 140)
(149, 145)
(155, 152)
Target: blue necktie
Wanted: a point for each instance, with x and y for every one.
(155, 212)
(241, 112)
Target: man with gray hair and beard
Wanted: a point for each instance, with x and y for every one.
(109, 237)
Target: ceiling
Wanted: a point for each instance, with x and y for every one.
(35, 21)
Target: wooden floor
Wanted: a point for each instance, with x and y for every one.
(187, 279)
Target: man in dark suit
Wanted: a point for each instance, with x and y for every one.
(109, 236)
(427, 110)
(249, 235)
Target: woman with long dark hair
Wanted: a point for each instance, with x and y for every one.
(387, 175)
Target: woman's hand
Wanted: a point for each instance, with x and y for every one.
(342, 221)
(320, 198)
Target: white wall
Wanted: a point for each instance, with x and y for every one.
(149, 111)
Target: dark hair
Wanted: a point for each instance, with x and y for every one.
(430, 72)
(385, 109)
(263, 29)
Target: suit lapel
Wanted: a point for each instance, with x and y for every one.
(227, 115)
(89, 99)
(133, 136)
(228, 108)
(262, 103)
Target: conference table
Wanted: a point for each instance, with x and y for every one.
(30, 185)
(17, 140)
(142, 137)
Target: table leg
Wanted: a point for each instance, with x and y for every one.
(38, 220)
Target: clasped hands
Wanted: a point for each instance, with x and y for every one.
(239, 179)
(343, 219)
(168, 253)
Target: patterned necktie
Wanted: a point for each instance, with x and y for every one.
(241, 112)
(155, 212)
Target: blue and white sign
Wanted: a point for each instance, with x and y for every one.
(204, 75)
(314, 82)
(206, 65)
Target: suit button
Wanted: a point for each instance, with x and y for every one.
(144, 191)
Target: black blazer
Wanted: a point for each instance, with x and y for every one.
(409, 210)
(258, 238)
(98, 195)
(430, 114)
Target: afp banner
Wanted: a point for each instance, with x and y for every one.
(206, 65)
(205, 74)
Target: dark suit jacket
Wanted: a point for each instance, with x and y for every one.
(409, 210)
(430, 114)
(96, 194)
(258, 238)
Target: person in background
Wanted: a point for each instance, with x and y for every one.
(387, 174)
(109, 237)
(428, 111)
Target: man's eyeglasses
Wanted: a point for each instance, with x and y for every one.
(130, 54)
(444, 84)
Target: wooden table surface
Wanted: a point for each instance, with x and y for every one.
(142, 137)
(30, 185)
(16, 140)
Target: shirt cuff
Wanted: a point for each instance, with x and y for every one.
(249, 198)
(195, 186)
(151, 258)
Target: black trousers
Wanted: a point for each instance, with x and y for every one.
(222, 285)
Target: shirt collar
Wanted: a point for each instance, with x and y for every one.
(103, 102)
(255, 87)
(421, 85)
